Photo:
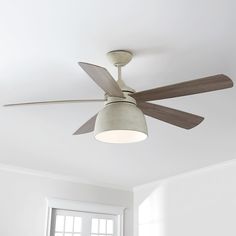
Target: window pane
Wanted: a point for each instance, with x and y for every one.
(76, 234)
(59, 223)
(102, 226)
(109, 226)
(58, 234)
(69, 224)
(77, 224)
(66, 234)
(95, 226)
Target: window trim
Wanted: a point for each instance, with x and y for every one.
(84, 207)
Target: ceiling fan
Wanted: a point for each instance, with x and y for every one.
(122, 118)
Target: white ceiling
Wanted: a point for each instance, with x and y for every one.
(173, 41)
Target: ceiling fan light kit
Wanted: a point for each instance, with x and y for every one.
(122, 118)
(120, 121)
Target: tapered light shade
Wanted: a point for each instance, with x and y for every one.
(120, 122)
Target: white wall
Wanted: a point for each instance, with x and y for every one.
(23, 201)
(201, 203)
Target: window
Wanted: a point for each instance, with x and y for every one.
(67, 218)
(66, 223)
(102, 227)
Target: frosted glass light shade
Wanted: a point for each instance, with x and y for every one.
(121, 136)
(120, 122)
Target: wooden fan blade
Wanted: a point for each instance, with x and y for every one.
(103, 79)
(54, 102)
(87, 127)
(175, 117)
(207, 84)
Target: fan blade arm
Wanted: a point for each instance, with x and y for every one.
(169, 115)
(206, 84)
(103, 79)
(87, 127)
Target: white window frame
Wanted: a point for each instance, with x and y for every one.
(54, 203)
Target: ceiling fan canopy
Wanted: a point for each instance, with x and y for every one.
(122, 118)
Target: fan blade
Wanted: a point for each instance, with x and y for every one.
(103, 79)
(54, 102)
(207, 84)
(87, 127)
(175, 117)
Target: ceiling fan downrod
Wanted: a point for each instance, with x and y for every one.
(120, 58)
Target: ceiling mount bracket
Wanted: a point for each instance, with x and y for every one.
(120, 58)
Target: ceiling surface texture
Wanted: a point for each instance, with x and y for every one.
(172, 41)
